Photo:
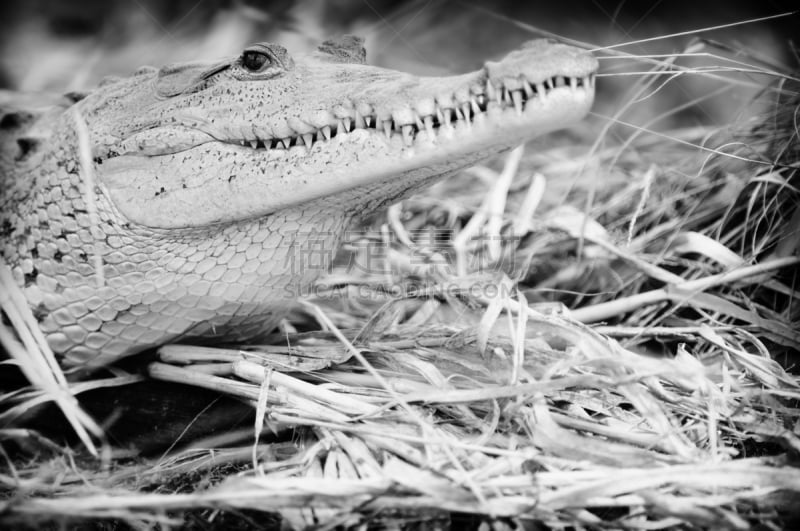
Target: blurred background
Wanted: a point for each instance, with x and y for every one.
(57, 45)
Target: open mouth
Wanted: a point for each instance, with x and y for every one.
(446, 113)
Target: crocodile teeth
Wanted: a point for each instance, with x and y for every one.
(448, 116)
(474, 104)
(540, 90)
(286, 142)
(348, 124)
(548, 84)
(254, 144)
(308, 139)
(491, 92)
(465, 110)
(326, 132)
(528, 88)
(368, 120)
(387, 128)
(358, 121)
(243, 142)
(408, 135)
(517, 97)
(573, 83)
(428, 121)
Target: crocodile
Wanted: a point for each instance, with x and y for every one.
(187, 208)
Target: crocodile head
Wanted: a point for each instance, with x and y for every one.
(248, 136)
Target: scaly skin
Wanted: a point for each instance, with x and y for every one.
(207, 224)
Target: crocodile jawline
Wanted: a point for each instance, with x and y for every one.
(478, 104)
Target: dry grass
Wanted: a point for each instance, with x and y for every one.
(589, 336)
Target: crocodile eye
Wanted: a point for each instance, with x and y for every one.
(254, 61)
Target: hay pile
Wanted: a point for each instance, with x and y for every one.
(592, 334)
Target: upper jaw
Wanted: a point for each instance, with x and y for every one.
(406, 106)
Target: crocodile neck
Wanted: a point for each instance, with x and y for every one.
(223, 188)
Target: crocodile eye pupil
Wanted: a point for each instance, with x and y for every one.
(253, 61)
